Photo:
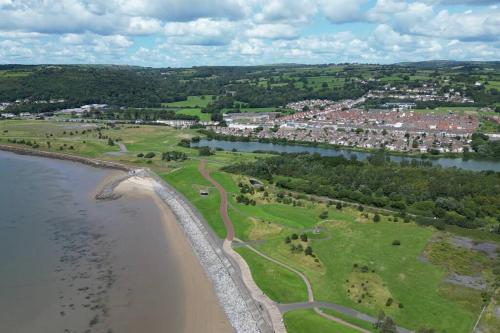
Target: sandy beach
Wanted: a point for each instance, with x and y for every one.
(201, 309)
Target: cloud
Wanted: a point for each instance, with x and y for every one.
(186, 10)
(286, 11)
(273, 31)
(200, 32)
(468, 26)
(340, 11)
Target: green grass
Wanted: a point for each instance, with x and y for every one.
(191, 102)
(445, 109)
(189, 182)
(7, 73)
(195, 112)
(307, 321)
(358, 322)
(280, 284)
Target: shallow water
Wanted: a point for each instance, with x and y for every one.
(69, 263)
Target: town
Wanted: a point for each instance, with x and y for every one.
(344, 124)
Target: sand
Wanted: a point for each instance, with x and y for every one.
(201, 309)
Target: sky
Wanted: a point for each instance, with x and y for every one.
(184, 33)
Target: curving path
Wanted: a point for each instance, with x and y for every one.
(258, 295)
(223, 200)
(246, 275)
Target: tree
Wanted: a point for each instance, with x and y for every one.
(295, 236)
(308, 251)
(339, 205)
(303, 237)
(288, 240)
(376, 217)
(204, 151)
(111, 142)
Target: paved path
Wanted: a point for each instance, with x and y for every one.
(123, 148)
(223, 200)
(310, 295)
(257, 293)
(246, 275)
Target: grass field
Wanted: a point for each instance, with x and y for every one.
(191, 102)
(447, 109)
(392, 271)
(194, 112)
(7, 73)
(278, 283)
(307, 321)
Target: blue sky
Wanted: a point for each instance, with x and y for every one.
(178, 33)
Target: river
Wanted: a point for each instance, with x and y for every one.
(467, 164)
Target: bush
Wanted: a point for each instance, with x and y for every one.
(295, 236)
(150, 155)
(396, 242)
(288, 240)
(389, 302)
(308, 251)
(323, 215)
(376, 217)
(303, 237)
(339, 205)
(140, 155)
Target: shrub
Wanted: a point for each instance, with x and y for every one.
(140, 155)
(295, 236)
(288, 240)
(389, 302)
(323, 215)
(150, 155)
(376, 217)
(303, 237)
(308, 251)
(339, 205)
(396, 242)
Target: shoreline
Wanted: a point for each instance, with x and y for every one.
(244, 313)
(198, 296)
(66, 157)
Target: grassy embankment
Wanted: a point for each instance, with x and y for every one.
(356, 266)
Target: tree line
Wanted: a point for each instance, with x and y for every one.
(443, 195)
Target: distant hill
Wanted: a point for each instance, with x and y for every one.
(447, 63)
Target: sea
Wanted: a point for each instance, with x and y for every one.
(71, 263)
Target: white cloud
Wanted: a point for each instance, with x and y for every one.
(273, 31)
(143, 26)
(200, 32)
(340, 11)
(295, 11)
(186, 10)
